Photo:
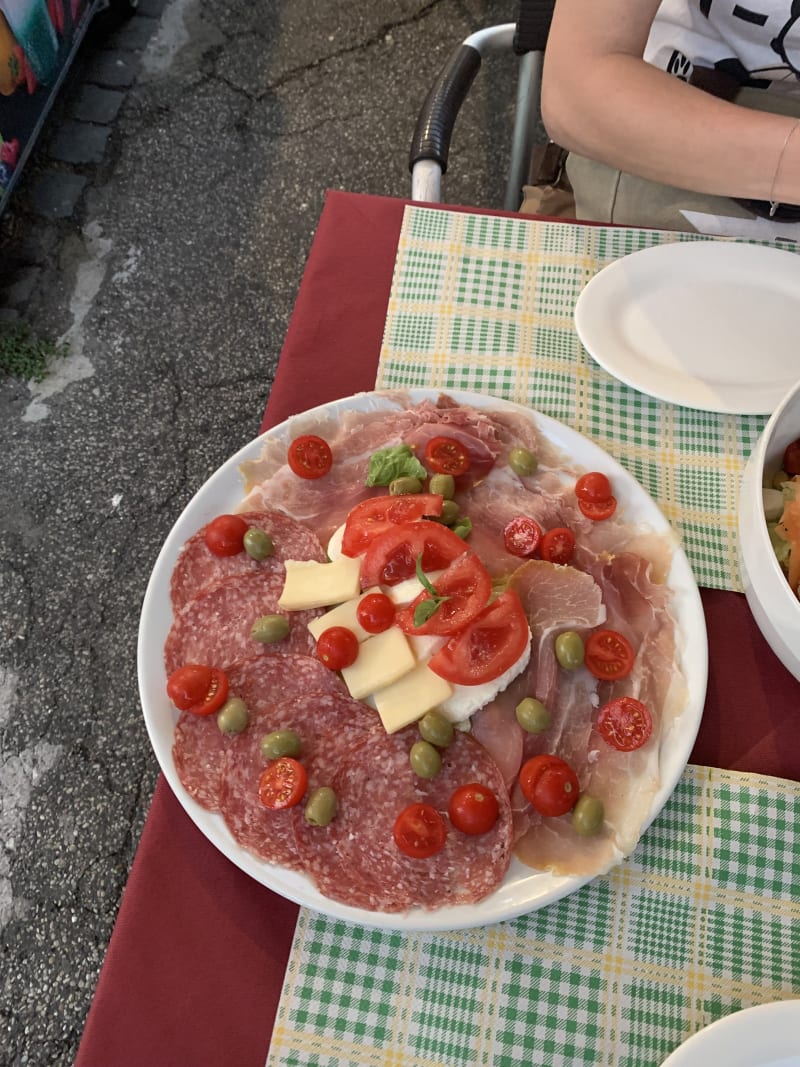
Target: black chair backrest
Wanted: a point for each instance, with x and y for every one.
(533, 25)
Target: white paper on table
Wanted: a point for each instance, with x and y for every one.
(756, 229)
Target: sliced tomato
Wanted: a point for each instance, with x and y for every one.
(392, 557)
(488, 646)
(550, 784)
(373, 517)
(522, 537)
(558, 545)
(337, 647)
(445, 455)
(309, 456)
(608, 655)
(464, 588)
(282, 784)
(224, 536)
(473, 809)
(625, 723)
(603, 509)
(197, 688)
(375, 613)
(420, 831)
(593, 487)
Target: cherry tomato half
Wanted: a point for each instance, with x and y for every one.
(445, 455)
(282, 784)
(309, 456)
(608, 655)
(598, 511)
(199, 689)
(372, 517)
(487, 646)
(625, 724)
(224, 536)
(522, 537)
(558, 545)
(337, 647)
(473, 809)
(465, 587)
(375, 613)
(593, 487)
(791, 458)
(419, 831)
(550, 784)
(392, 557)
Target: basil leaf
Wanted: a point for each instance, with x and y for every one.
(397, 461)
(426, 608)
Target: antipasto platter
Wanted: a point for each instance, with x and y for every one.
(628, 578)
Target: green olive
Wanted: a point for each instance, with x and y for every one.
(404, 486)
(588, 815)
(436, 729)
(269, 629)
(280, 743)
(522, 462)
(532, 715)
(463, 527)
(450, 512)
(258, 543)
(569, 650)
(443, 484)
(232, 717)
(321, 806)
(425, 759)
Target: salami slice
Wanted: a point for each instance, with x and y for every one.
(214, 627)
(199, 747)
(332, 728)
(197, 568)
(355, 860)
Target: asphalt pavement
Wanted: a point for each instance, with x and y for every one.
(160, 231)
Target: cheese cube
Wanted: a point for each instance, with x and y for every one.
(407, 699)
(381, 660)
(343, 615)
(317, 585)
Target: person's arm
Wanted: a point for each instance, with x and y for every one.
(602, 100)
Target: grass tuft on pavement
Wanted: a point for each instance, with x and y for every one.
(22, 355)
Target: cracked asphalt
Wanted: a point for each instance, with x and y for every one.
(172, 279)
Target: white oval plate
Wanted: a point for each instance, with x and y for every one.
(705, 324)
(523, 889)
(767, 1035)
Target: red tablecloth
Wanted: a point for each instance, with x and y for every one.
(194, 969)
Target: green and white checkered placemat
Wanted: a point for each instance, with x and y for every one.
(485, 304)
(701, 921)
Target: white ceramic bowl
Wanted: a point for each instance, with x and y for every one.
(774, 606)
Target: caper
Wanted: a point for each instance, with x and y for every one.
(436, 729)
(450, 512)
(443, 484)
(522, 462)
(569, 650)
(588, 815)
(321, 806)
(532, 715)
(463, 527)
(404, 486)
(232, 716)
(425, 759)
(280, 743)
(258, 543)
(269, 629)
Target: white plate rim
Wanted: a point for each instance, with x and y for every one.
(598, 304)
(523, 890)
(744, 1038)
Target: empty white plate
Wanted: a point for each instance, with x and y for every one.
(767, 1035)
(713, 325)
